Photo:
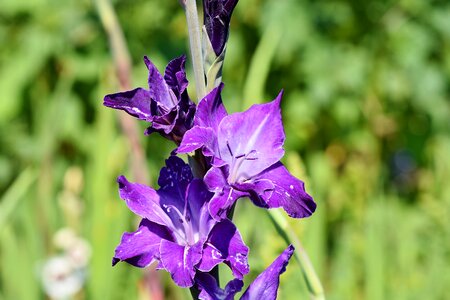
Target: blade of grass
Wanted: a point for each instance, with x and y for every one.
(287, 233)
(14, 194)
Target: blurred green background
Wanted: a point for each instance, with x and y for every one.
(367, 118)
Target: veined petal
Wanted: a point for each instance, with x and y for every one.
(135, 102)
(158, 88)
(197, 203)
(265, 286)
(252, 141)
(210, 289)
(179, 261)
(141, 248)
(142, 200)
(288, 192)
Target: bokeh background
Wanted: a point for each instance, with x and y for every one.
(367, 118)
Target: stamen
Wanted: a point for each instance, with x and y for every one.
(229, 149)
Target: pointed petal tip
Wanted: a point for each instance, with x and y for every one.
(115, 260)
(122, 180)
(290, 250)
(150, 65)
(279, 97)
(107, 101)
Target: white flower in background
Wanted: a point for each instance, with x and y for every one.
(64, 275)
(60, 279)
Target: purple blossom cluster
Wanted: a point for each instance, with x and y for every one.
(186, 225)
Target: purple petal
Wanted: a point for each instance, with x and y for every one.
(197, 208)
(288, 193)
(210, 289)
(176, 176)
(211, 111)
(252, 141)
(198, 137)
(265, 286)
(173, 181)
(141, 248)
(179, 261)
(135, 102)
(225, 244)
(215, 179)
(175, 76)
(159, 91)
(260, 190)
(142, 200)
(164, 124)
(217, 15)
(221, 202)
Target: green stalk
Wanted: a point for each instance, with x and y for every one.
(14, 194)
(122, 62)
(287, 233)
(196, 162)
(190, 7)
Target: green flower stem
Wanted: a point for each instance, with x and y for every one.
(197, 161)
(190, 7)
(285, 230)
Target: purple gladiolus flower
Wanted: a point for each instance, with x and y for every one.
(245, 150)
(265, 286)
(165, 104)
(177, 230)
(217, 16)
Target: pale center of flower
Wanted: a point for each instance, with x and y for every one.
(185, 235)
(236, 173)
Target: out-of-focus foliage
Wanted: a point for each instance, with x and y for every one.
(367, 116)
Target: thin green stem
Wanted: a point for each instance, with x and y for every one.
(195, 44)
(287, 233)
(122, 62)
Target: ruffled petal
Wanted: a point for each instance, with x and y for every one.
(252, 141)
(135, 102)
(141, 248)
(265, 286)
(288, 192)
(179, 261)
